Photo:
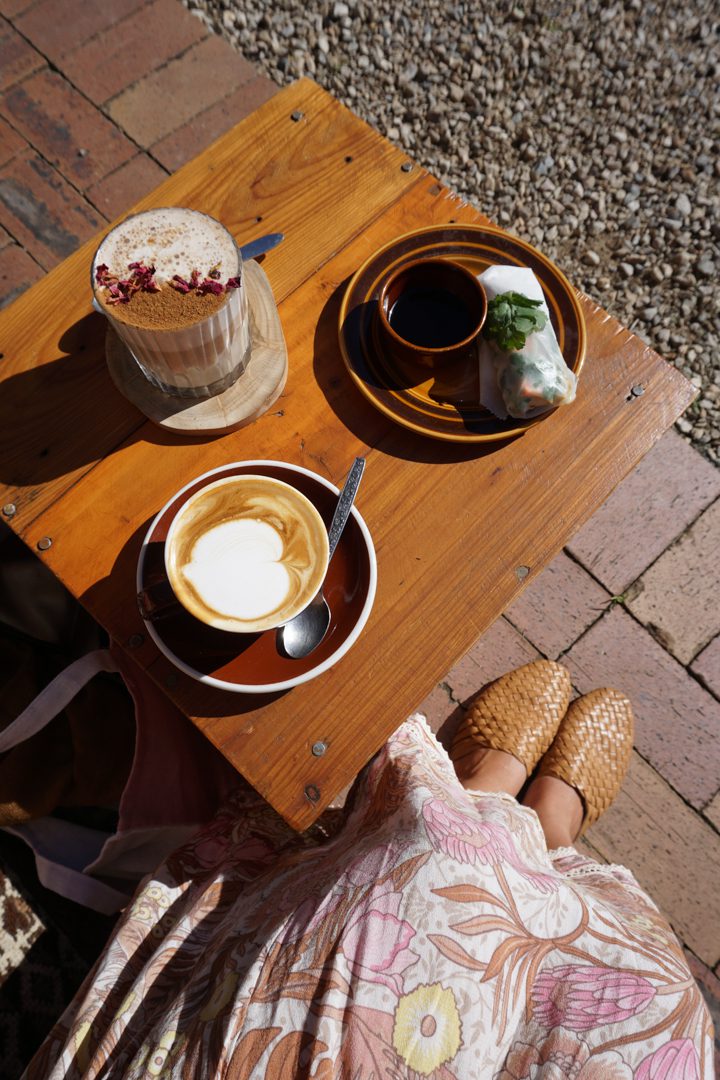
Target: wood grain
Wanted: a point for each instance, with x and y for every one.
(458, 530)
(320, 421)
(261, 383)
(451, 536)
(319, 180)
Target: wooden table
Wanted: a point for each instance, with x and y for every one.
(459, 531)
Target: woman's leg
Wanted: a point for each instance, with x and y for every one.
(559, 808)
(484, 769)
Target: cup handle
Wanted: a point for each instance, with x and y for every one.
(157, 601)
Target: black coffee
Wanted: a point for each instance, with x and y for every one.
(431, 318)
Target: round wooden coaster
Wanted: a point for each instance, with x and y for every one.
(258, 387)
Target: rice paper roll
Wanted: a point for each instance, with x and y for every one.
(527, 383)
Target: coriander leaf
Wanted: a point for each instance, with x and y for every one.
(511, 318)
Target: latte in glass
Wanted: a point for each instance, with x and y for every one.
(170, 281)
(246, 553)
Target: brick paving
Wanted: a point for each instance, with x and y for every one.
(677, 597)
(630, 602)
(707, 666)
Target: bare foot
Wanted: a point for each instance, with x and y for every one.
(484, 769)
(559, 808)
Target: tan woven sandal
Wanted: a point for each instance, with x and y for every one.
(518, 713)
(591, 750)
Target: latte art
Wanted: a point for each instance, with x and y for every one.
(246, 553)
(236, 570)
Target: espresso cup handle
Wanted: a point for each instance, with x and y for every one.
(157, 601)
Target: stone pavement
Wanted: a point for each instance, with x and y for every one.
(631, 602)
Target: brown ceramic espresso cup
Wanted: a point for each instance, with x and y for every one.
(431, 312)
(246, 553)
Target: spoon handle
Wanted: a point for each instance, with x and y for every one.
(344, 506)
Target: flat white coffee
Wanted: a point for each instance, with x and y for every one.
(246, 553)
(174, 240)
(237, 569)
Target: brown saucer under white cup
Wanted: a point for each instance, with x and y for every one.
(251, 663)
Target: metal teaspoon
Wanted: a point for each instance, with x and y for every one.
(298, 637)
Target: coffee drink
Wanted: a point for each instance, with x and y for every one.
(170, 282)
(246, 553)
(430, 313)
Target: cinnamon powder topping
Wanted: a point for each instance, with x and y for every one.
(139, 301)
(166, 309)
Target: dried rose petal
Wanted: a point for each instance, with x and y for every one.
(103, 276)
(142, 277)
(233, 283)
(215, 272)
(195, 279)
(128, 287)
(118, 298)
(208, 286)
(180, 284)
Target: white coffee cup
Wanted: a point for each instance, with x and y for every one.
(246, 553)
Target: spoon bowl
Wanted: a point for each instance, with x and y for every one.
(298, 637)
(305, 632)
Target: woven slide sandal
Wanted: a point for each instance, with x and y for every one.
(591, 750)
(518, 713)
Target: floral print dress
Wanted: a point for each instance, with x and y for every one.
(432, 935)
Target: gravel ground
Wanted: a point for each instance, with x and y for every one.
(591, 130)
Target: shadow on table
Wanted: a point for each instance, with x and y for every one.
(362, 418)
(66, 413)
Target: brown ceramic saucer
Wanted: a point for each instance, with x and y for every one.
(446, 406)
(250, 663)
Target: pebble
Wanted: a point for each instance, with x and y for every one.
(502, 105)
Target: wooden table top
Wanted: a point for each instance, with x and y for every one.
(452, 525)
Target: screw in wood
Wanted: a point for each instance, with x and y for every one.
(297, 115)
(406, 166)
(319, 749)
(9, 510)
(44, 543)
(136, 640)
(312, 793)
(521, 572)
(638, 391)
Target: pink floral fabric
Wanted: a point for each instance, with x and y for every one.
(432, 935)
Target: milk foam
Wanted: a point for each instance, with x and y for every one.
(236, 570)
(172, 239)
